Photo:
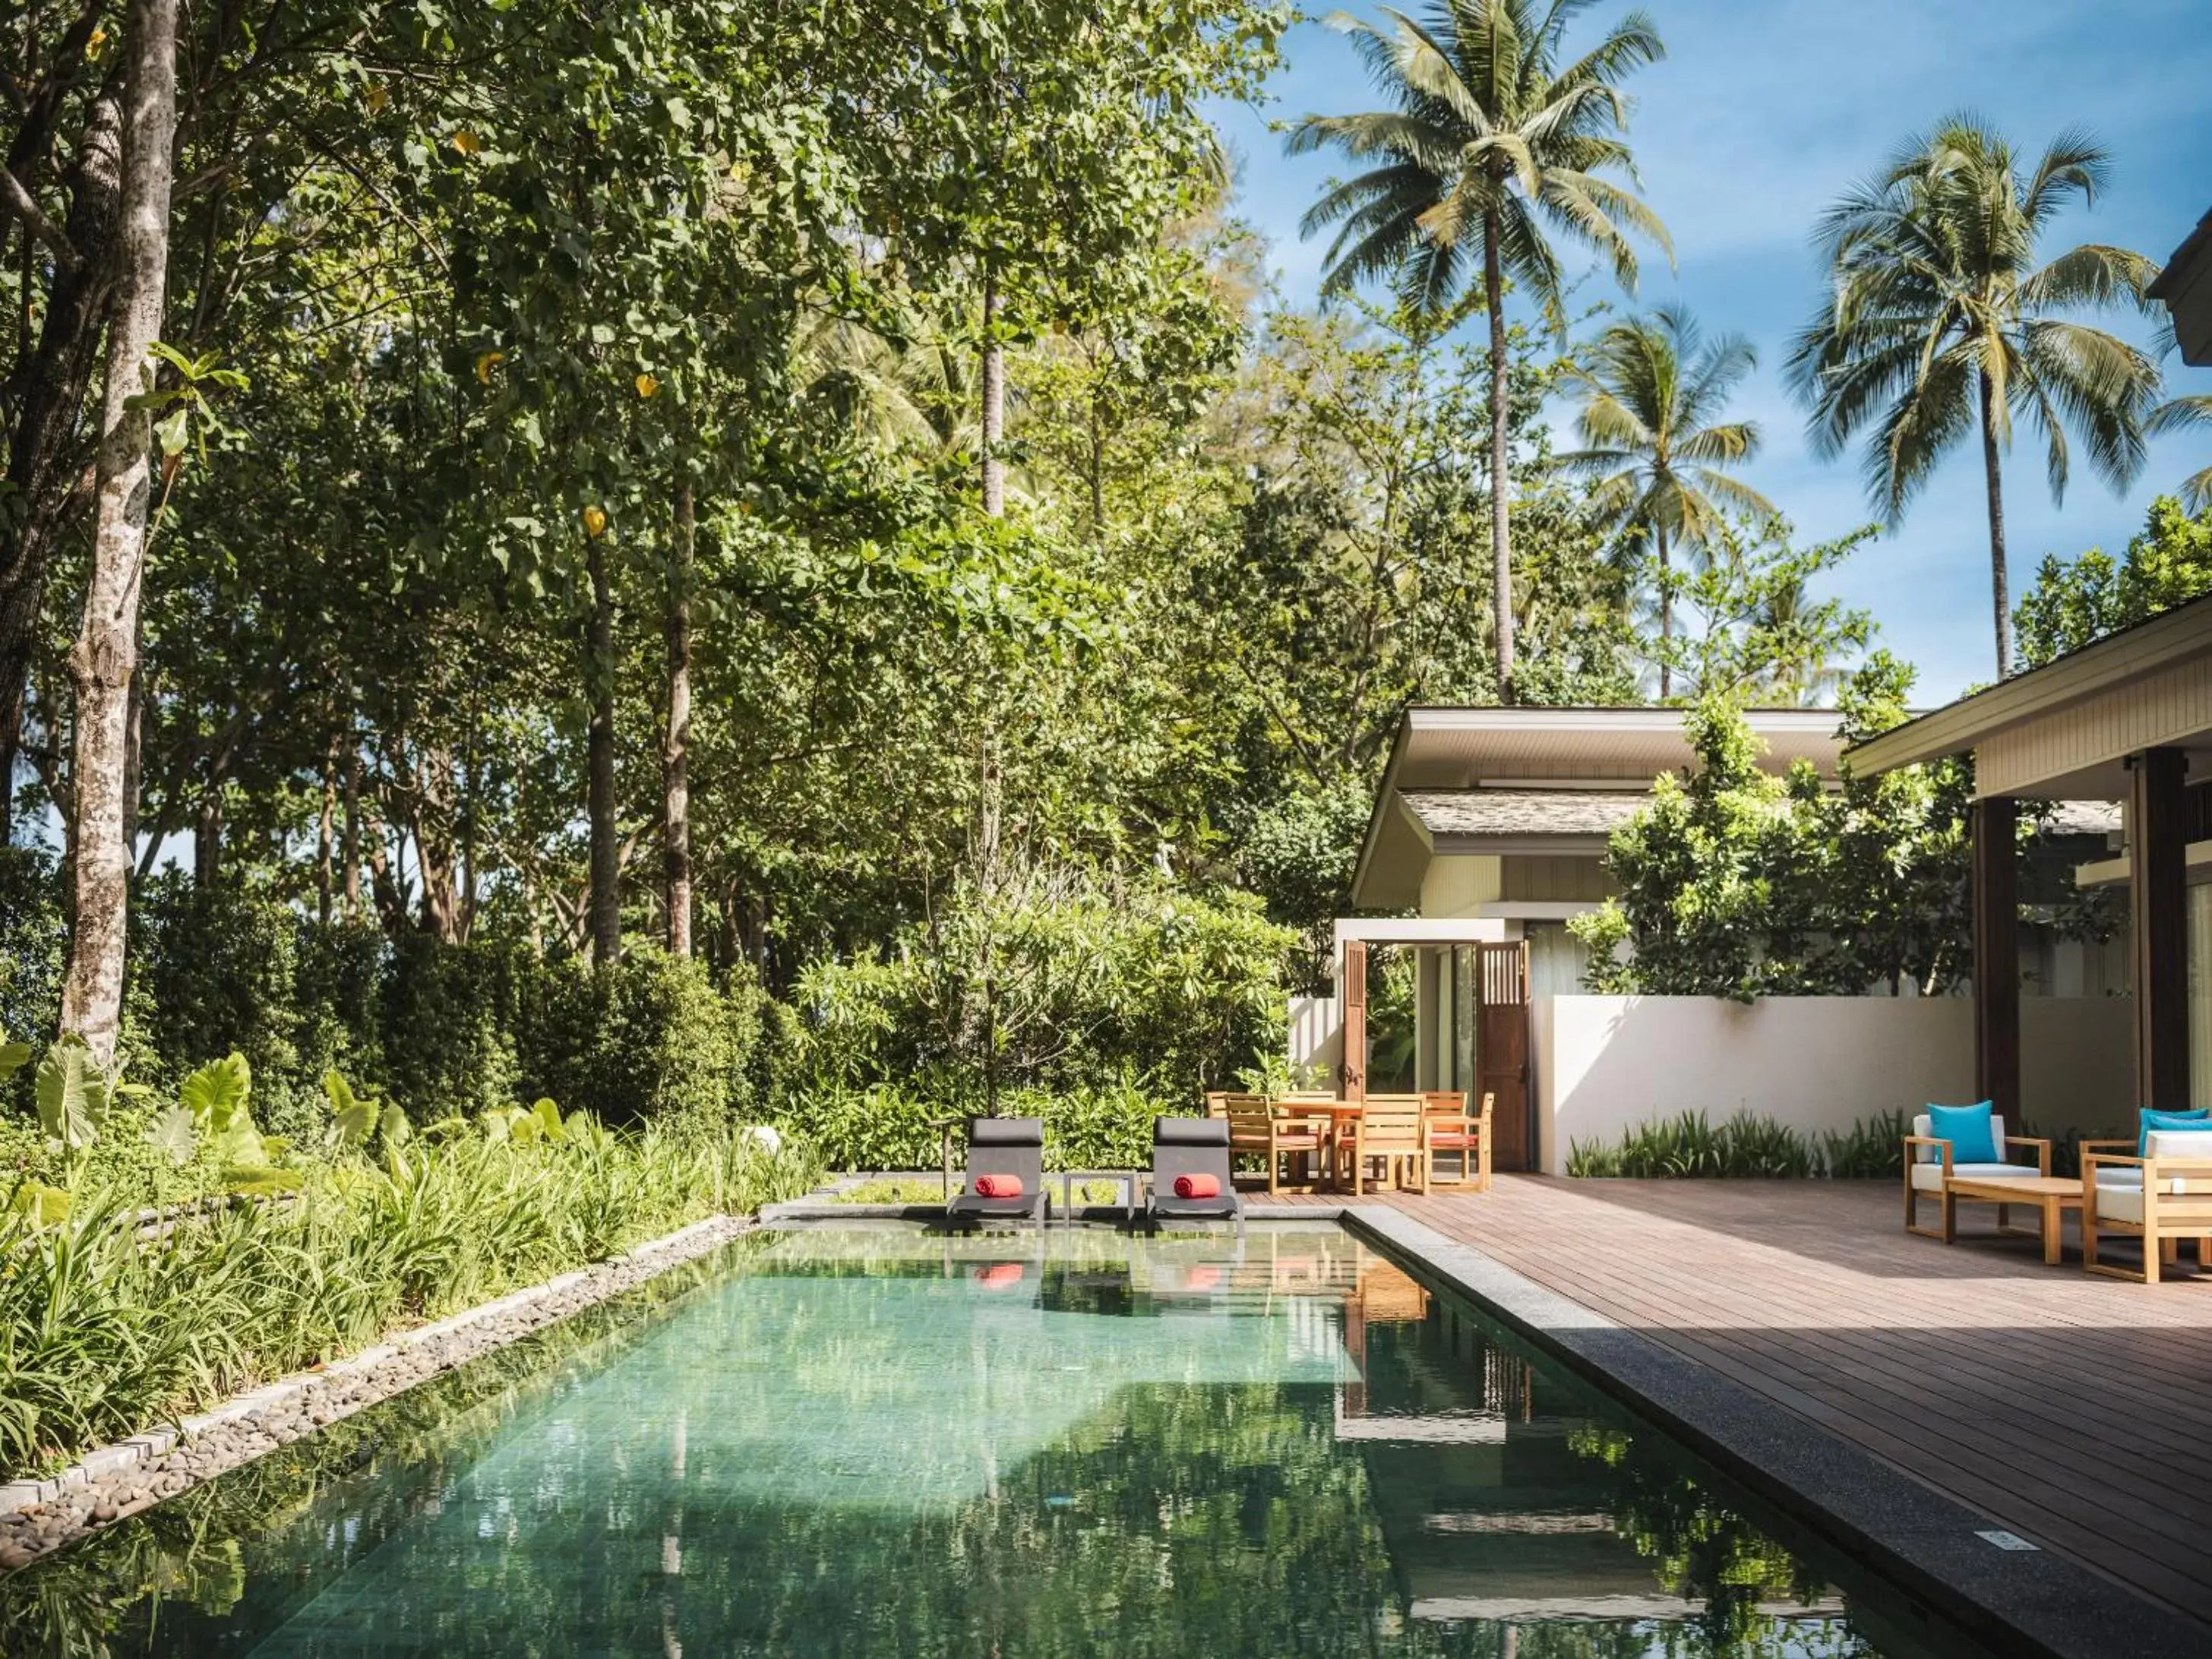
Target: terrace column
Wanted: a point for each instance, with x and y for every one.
(2158, 895)
(1997, 956)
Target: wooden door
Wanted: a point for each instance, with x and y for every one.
(1501, 1049)
(1353, 1070)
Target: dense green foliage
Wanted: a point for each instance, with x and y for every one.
(437, 1028)
(1098, 1012)
(1741, 883)
(281, 1255)
(2076, 602)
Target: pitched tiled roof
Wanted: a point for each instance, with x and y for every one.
(1595, 812)
(1598, 812)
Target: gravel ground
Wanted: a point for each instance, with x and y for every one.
(222, 1439)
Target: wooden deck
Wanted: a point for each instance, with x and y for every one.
(2077, 1412)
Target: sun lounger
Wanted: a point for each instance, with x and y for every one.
(1197, 1147)
(1003, 1147)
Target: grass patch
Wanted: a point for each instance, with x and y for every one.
(893, 1189)
(929, 1189)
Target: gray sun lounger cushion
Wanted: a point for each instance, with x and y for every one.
(1003, 1146)
(1192, 1145)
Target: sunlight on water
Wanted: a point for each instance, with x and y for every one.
(866, 1442)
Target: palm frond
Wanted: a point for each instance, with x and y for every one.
(2090, 274)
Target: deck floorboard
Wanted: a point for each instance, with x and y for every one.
(2077, 1412)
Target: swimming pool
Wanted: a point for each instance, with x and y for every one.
(872, 1440)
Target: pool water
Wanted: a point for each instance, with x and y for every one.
(877, 1441)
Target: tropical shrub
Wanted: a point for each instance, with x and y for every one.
(302, 1249)
(1055, 988)
(1689, 1147)
(440, 1028)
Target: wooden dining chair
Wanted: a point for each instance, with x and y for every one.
(1455, 1134)
(1258, 1126)
(1391, 1131)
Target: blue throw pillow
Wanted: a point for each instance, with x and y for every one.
(2195, 1119)
(1972, 1135)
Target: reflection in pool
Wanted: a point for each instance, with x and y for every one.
(867, 1442)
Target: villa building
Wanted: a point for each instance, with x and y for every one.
(1489, 833)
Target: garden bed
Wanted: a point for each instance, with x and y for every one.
(39, 1515)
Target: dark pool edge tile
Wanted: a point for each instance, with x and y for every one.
(2042, 1602)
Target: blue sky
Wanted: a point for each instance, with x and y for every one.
(1764, 111)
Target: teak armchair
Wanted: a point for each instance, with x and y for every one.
(1931, 1177)
(1256, 1126)
(1452, 1131)
(2160, 1198)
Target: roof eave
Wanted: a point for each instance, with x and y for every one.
(1957, 727)
(1386, 794)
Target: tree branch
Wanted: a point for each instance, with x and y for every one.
(17, 201)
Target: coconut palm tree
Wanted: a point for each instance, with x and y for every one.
(1649, 389)
(1494, 145)
(2178, 416)
(1941, 323)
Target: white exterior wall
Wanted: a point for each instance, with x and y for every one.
(1456, 884)
(1317, 1033)
(1606, 1065)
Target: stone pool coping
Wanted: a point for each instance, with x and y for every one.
(1936, 1549)
(39, 1515)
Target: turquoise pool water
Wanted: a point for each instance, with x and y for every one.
(866, 1442)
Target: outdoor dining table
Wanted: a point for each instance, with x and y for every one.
(1342, 1114)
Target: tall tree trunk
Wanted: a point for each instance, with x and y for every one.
(606, 846)
(353, 828)
(994, 402)
(325, 837)
(432, 822)
(134, 755)
(676, 793)
(105, 657)
(1501, 544)
(207, 837)
(42, 450)
(2000, 587)
(1665, 617)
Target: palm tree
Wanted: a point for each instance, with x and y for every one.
(1493, 146)
(1649, 389)
(1941, 323)
(2178, 416)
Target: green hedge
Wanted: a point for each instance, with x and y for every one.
(1104, 1125)
(438, 1028)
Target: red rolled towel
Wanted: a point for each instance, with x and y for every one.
(1197, 1186)
(998, 1186)
(1204, 1277)
(999, 1274)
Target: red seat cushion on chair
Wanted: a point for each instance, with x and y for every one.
(1198, 1186)
(1453, 1139)
(998, 1186)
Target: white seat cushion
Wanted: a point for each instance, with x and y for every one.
(2120, 1203)
(1928, 1177)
